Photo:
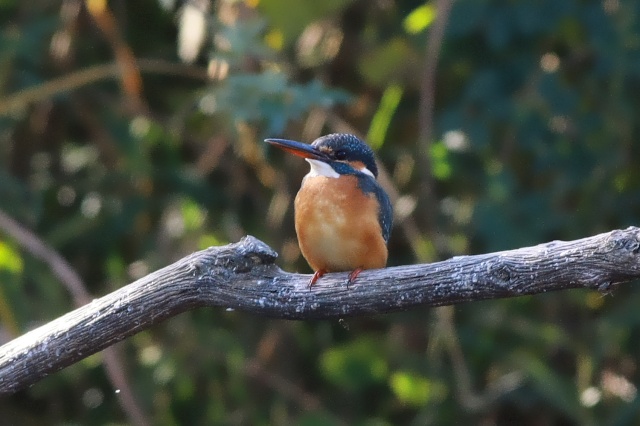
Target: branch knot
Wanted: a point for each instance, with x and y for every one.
(501, 271)
(625, 240)
(220, 263)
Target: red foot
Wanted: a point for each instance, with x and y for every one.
(320, 272)
(353, 275)
(317, 275)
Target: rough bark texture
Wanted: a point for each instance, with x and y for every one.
(243, 276)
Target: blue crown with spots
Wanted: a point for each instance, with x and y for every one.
(347, 147)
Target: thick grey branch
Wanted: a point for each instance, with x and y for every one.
(243, 276)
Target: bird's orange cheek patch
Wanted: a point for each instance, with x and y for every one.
(358, 165)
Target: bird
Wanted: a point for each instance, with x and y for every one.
(343, 217)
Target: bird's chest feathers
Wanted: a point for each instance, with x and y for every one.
(335, 219)
(332, 203)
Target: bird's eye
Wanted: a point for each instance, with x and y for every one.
(340, 154)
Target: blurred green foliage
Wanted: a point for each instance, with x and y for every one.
(535, 138)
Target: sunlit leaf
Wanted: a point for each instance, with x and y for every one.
(440, 163)
(419, 19)
(274, 39)
(382, 118)
(413, 389)
(209, 240)
(292, 17)
(192, 214)
(10, 259)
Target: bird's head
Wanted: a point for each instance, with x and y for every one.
(333, 155)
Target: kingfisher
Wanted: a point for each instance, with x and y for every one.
(343, 217)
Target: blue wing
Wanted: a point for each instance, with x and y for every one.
(368, 184)
(385, 214)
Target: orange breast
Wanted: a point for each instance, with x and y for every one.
(337, 225)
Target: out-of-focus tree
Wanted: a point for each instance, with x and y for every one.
(131, 134)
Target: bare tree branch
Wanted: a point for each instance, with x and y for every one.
(243, 276)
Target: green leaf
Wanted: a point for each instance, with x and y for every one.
(292, 17)
(440, 163)
(269, 98)
(413, 389)
(10, 259)
(192, 214)
(419, 19)
(382, 118)
(354, 365)
(388, 62)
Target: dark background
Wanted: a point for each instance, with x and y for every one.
(123, 156)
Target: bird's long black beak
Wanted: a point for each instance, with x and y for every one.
(297, 148)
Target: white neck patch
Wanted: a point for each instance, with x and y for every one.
(367, 172)
(320, 168)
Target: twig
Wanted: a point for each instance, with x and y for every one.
(467, 397)
(91, 75)
(244, 277)
(428, 83)
(427, 102)
(72, 281)
(40, 250)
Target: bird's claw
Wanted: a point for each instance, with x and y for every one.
(316, 276)
(352, 276)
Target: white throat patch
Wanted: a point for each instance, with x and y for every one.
(320, 168)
